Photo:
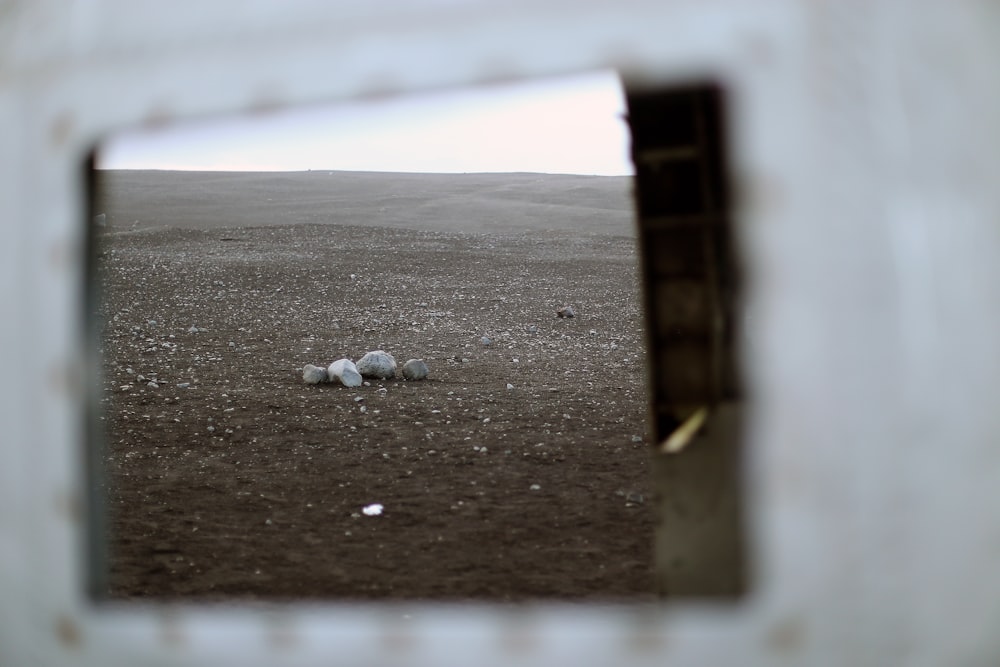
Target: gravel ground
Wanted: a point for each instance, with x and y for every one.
(516, 471)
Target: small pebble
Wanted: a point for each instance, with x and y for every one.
(566, 311)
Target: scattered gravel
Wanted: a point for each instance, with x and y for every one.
(247, 440)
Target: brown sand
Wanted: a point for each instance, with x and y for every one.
(249, 484)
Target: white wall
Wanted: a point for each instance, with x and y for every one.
(866, 161)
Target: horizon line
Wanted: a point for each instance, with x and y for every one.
(356, 171)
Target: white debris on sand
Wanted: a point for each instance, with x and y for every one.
(374, 509)
(313, 374)
(377, 364)
(345, 372)
(415, 369)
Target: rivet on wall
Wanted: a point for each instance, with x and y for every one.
(61, 128)
(68, 632)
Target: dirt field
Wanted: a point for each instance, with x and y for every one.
(516, 471)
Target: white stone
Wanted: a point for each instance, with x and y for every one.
(345, 372)
(313, 374)
(415, 369)
(377, 364)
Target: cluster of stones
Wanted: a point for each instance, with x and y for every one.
(376, 365)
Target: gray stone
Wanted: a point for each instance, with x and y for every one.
(566, 311)
(415, 369)
(377, 364)
(313, 374)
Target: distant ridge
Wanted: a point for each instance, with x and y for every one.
(500, 203)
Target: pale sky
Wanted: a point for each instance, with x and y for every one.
(571, 125)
